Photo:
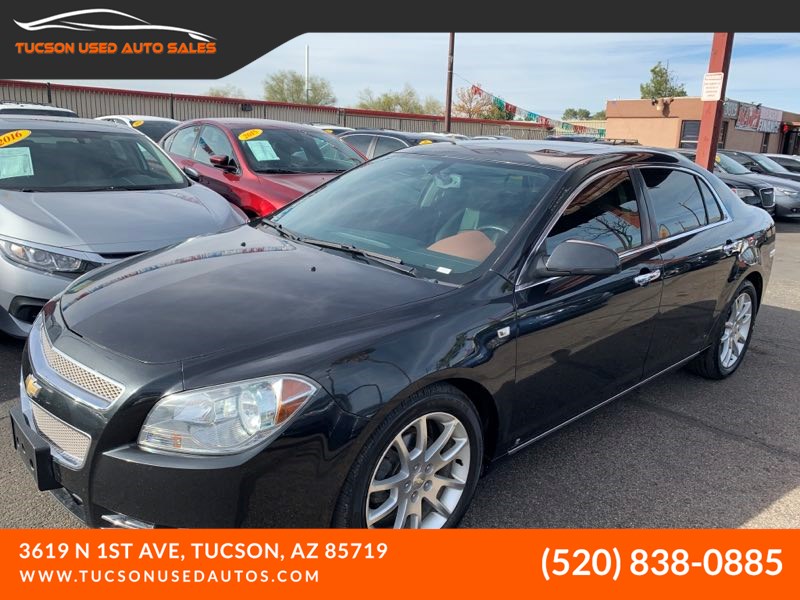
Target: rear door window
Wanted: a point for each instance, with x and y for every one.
(676, 201)
(384, 145)
(183, 141)
(360, 142)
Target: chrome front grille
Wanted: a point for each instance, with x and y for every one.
(67, 443)
(767, 197)
(98, 385)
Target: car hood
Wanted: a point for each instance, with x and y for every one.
(228, 291)
(113, 221)
(748, 180)
(774, 181)
(290, 187)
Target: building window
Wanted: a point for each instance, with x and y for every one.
(723, 135)
(690, 132)
(765, 143)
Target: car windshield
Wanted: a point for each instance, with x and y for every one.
(447, 218)
(768, 164)
(66, 160)
(295, 151)
(155, 130)
(727, 164)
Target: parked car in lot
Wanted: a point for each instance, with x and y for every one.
(257, 164)
(790, 162)
(332, 129)
(153, 127)
(786, 191)
(373, 143)
(456, 137)
(76, 194)
(492, 137)
(358, 358)
(747, 185)
(34, 110)
(761, 164)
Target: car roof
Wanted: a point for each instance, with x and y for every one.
(549, 153)
(65, 123)
(32, 106)
(236, 122)
(406, 135)
(139, 118)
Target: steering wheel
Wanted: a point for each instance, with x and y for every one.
(493, 232)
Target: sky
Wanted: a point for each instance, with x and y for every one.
(541, 72)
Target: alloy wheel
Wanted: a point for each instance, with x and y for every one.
(421, 475)
(736, 331)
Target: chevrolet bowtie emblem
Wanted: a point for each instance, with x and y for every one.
(32, 387)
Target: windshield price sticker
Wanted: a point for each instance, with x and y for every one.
(15, 162)
(12, 137)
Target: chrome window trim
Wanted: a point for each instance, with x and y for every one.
(518, 286)
(41, 369)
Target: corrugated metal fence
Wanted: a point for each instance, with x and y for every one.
(93, 102)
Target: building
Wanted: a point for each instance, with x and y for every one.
(675, 123)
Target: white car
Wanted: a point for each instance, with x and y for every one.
(332, 129)
(453, 136)
(153, 127)
(787, 161)
(34, 110)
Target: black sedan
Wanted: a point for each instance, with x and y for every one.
(360, 357)
(373, 143)
(761, 164)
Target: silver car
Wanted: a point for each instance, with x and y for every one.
(76, 194)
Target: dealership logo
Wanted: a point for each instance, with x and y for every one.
(32, 387)
(79, 20)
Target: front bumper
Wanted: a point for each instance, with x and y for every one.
(787, 207)
(293, 482)
(21, 287)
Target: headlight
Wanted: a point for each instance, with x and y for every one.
(786, 192)
(40, 259)
(746, 194)
(225, 419)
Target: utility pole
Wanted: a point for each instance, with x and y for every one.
(711, 120)
(448, 102)
(308, 89)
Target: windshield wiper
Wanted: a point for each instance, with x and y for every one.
(280, 172)
(282, 231)
(384, 259)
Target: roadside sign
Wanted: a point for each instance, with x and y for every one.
(712, 87)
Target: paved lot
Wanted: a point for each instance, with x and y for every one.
(679, 452)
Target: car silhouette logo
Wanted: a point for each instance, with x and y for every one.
(76, 20)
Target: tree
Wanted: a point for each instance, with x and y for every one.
(576, 114)
(471, 105)
(497, 114)
(290, 86)
(406, 100)
(225, 91)
(600, 115)
(662, 84)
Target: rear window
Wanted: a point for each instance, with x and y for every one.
(62, 160)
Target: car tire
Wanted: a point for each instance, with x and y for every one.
(716, 362)
(433, 491)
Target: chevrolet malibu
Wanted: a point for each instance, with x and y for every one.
(76, 194)
(359, 358)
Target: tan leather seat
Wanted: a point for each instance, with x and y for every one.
(470, 244)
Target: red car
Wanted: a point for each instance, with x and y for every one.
(258, 165)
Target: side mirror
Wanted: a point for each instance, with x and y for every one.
(191, 173)
(222, 161)
(756, 168)
(577, 257)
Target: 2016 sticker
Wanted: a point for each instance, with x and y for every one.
(12, 137)
(250, 134)
(137, 123)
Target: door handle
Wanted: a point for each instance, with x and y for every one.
(645, 278)
(731, 247)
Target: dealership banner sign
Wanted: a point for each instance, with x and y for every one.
(301, 564)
